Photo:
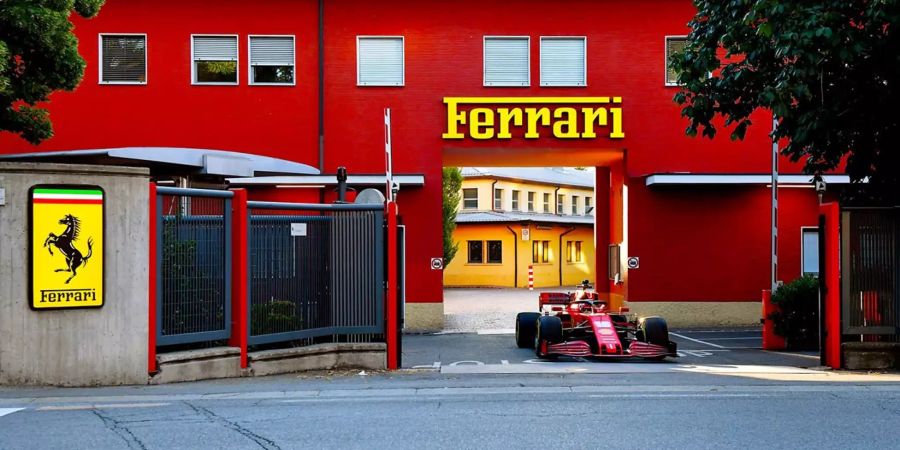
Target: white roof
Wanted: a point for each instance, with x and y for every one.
(547, 175)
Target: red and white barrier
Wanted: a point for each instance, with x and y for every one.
(530, 277)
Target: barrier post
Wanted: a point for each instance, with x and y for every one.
(831, 273)
(151, 289)
(530, 277)
(770, 340)
(391, 332)
(239, 272)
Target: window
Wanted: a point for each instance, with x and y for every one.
(559, 203)
(476, 252)
(215, 59)
(587, 205)
(506, 61)
(515, 200)
(673, 44)
(531, 202)
(575, 205)
(470, 198)
(494, 252)
(540, 251)
(614, 267)
(573, 252)
(546, 203)
(272, 60)
(123, 58)
(810, 250)
(379, 61)
(563, 61)
(498, 199)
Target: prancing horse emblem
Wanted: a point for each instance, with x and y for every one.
(64, 243)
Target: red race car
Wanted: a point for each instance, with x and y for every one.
(580, 324)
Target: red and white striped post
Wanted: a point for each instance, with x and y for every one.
(530, 277)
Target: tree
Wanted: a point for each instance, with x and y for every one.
(451, 181)
(38, 55)
(829, 70)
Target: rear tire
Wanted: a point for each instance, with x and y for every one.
(549, 330)
(655, 331)
(526, 327)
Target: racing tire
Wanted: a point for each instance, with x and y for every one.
(549, 330)
(526, 328)
(654, 330)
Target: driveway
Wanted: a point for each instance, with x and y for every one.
(486, 310)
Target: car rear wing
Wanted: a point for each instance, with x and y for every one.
(552, 298)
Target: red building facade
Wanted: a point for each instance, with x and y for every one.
(702, 242)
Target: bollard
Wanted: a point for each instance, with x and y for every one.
(530, 277)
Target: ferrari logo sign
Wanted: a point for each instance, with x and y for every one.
(66, 246)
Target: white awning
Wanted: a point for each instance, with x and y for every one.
(327, 180)
(689, 179)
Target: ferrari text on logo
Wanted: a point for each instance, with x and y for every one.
(562, 117)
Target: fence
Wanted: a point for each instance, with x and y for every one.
(315, 270)
(193, 265)
(871, 271)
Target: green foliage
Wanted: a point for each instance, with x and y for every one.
(828, 69)
(451, 181)
(274, 316)
(798, 317)
(38, 55)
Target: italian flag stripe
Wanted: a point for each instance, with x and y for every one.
(68, 196)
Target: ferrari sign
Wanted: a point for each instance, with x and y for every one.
(66, 246)
(533, 117)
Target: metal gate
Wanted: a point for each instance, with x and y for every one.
(193, 286)
(315, 270)
(871, 271)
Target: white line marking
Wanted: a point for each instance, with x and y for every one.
(5, 411)
(710, 395)
(498, 331)
(734, 338)
(109, 406)
(696, 340)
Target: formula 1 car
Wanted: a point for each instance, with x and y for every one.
(580, 324)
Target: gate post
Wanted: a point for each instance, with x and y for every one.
(239, 272)
(770, 340)
(391, 330)
(832, 283)
(151, 289)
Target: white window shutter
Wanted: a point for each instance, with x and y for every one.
(380, 61)
(123, 59)
(563, 62)
(271, 51)
(215, 48)
(506, 61)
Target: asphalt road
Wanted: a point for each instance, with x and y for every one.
(497, 347)
(435, 411)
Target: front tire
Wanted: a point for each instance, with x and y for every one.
(526, 328)
(549, 330)
(655, 331)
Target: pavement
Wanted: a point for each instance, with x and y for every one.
(414, 409)
(472, 388)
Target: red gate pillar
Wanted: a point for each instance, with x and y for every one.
(239, 272)
(770, 340)
(832, 278)
(391, 331)
(151, 289)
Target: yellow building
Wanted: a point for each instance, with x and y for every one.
(513, 218)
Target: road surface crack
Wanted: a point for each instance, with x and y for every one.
(261, 441)
(120, 430)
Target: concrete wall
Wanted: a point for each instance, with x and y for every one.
(76, 347)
